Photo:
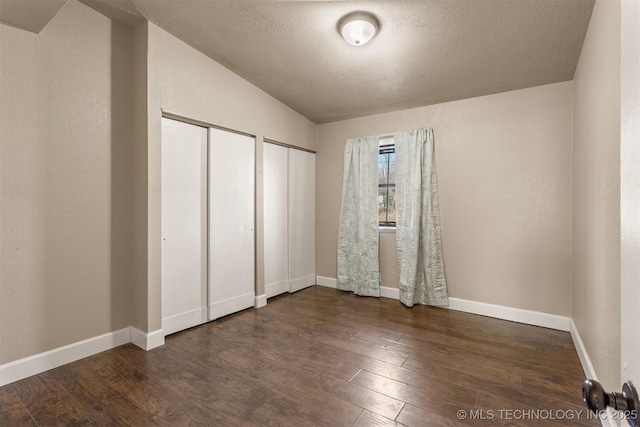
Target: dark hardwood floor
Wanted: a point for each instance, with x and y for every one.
(319, 357)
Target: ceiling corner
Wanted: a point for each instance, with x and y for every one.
(31, 15)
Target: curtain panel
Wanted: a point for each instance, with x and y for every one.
(358, 263)
(418, 237)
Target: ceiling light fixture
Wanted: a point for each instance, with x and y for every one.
(358, 28)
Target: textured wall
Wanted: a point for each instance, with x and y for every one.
(596, 193)
(140, 176)
(65, 182)
(504, 173)
(184, 81)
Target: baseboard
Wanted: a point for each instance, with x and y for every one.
(41, 362)
(589, 371)
(147, 340)
(302, 282)
(609, 420)
(231, 305)
(327, 282)
(387, 292)
(273, 289)
(183, 321)
(261, 301)
(585, 361)
(529, 317)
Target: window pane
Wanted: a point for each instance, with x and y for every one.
(383, 170)
(391, 216)
(392, 168)
(382, 205)
(387, 204)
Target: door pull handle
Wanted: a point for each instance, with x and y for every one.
(627, 402)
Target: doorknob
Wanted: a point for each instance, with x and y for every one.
(597, 400)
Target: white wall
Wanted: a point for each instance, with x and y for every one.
(596, 193)
(184, 81)
(140, 177)
(65, 182)
(504, 174)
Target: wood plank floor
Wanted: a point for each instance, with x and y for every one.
(319, 357)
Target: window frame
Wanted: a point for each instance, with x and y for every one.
(387, 146)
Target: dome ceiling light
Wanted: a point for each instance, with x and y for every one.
(357, 28)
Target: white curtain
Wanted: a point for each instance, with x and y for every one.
(420, 262)
(358, 266)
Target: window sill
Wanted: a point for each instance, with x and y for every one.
(387, 229)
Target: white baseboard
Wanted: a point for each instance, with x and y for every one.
(589, 371)
(302, 282)
(183, 321)
(273, 289)
(387, 292)
(32, 365)
(231, 305)
(147, 340)
(529, 317)
(261, 301)
(609, 420)
(327, 282)
(585, 361)
(519, 315)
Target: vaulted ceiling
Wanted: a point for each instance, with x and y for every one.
(426, 52)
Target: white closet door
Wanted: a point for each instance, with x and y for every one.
(231, 222)
(184, 225)
(302, 219)
(276, 263)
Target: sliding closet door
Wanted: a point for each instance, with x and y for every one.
(276, 263)
(302, 219)
(184, 225)
(231, 222)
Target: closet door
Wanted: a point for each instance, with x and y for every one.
(302, 219)
(276, 263)
(231, 222)
(184, 225)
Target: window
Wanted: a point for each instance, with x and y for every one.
(387, 183)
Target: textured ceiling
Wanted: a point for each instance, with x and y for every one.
(30, 15)
(427, 52)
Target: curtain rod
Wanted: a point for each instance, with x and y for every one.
(387, 135)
